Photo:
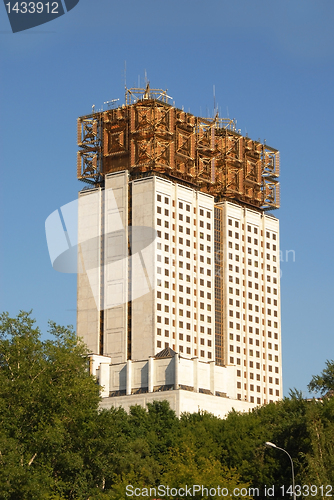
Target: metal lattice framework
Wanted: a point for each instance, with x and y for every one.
(89, 138)
(148, 135)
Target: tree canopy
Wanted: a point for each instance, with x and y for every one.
(47, 403)
(324, 382)
(56, 444)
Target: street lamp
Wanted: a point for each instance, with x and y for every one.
(268, 444)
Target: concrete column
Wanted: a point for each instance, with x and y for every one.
(195, 374)
(128, 377)
(150, 373)
(105, 379)
(176, 371)
(212, 377)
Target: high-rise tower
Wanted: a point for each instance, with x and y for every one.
(179, 297)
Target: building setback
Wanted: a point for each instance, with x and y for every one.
(178, 283)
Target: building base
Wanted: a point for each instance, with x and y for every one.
(181, 401)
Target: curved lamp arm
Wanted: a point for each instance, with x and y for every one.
(268, 444)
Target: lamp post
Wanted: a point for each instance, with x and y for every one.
(268, 444)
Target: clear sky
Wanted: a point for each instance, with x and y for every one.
(272, 64)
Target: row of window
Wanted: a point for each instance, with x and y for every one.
(187, 242)
(250, 330)
(187, 313)
(250, 341)
(188, 350)
(256, 298)
(250, 294)
(250, 316)
(166, 321)
(258, 400)
(249, 251)
(181, 265)
(237, 269)
(202, 353)
(183, 205)
(256, 264)
(270, 357)
(258, 367)
(181, 311)
(258, 388)
(249, 229)
(188, 277)
(187, 337)
(181, 324)
(237, 337)
(187, 220)
(182, 289)
(250, 283)
(257, 331)
(181, 254)
(249, 240)
(187, 229)
(250, 272)
(188, 302)
(236, 257)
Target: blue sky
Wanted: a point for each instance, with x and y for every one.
(272, 64)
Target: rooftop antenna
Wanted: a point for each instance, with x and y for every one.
(214, 100)
(227, 112)
(125, 74)
(111, 103)
(147, 91)
(145, 77)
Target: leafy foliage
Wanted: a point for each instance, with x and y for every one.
(56, 444)
(47, 404)
(325, 381)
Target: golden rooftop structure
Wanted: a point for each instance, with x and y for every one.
(148, 135)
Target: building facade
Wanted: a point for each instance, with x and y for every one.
(178, 283)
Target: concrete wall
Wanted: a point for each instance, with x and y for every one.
(88, 283)
(181, 401)
(155, 374)
(189, 385)
(116, 262)
(143, 269)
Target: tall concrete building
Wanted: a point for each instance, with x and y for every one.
(178, 289)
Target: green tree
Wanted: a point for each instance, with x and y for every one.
(187, 466)
(48, 406)
(319, 460)
(324, 382)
